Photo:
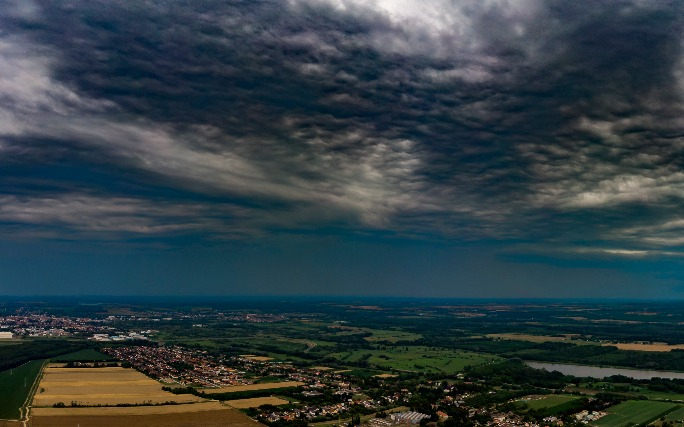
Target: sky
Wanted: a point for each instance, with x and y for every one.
(433, 148)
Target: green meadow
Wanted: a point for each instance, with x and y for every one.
(15, 387)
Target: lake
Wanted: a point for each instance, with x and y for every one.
(600, 372)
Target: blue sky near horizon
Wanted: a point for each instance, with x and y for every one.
(439, 148)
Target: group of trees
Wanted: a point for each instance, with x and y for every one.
(12, 356)
(516, 372)
(75, 364)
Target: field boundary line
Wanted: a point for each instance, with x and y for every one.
(662, 414)
(23, 418)
(34, 387)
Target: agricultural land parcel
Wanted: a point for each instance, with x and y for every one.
(255, 402)
(378, 335)
(256, 358)
(207, 414)
(659, 347)
(251, 387)
(553, 403)
(676, 415)
(101, 386)
(634, 346)
(540, 338)
(15, 387)
(419, 358)
(635, 412)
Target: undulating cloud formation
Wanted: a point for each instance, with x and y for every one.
(549, 132)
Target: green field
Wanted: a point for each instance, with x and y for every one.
(380, 335)
(635, 412)
(676, 415)
(87, 355)
(15, 386)
(661, 395)
(550, 402)
(418, 358)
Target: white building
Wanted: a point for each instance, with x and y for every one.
(5, 335)
(410, 417)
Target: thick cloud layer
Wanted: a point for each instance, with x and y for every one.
(558, 124)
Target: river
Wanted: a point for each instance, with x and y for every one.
(600, 372)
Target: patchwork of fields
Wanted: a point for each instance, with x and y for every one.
(251, 387)
(15, 387)
(255, 402)
(658, 347)
(209, 414)
(112, 386)
(540, 338)
(552, 403)
(418, 358)
(101, 386)
(635, 412)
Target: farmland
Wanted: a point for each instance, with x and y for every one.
(256, 358)
(676, 415)
(211, 414)
(87, 355)
(15, 388)
(101, 386)
(417, 358)
(635, 412)
(377, 335)
(320, 364)
(540, 338)
(251, 387)
(552, 403)
(255, 402)
(657, 347)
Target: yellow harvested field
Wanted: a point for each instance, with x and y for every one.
(131, 410)
(660, 347)
(256, 402)
(256, 358)
(386, 375)
(266, 386)
(102, 386)
(468, 314)
(321, 368)
(207, 414)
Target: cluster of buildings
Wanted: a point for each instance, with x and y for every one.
(255, 318)
(585, 417)
(24, 323)
(142, 335)
(308, 412)
(203, 315)
(410, 417)
(42, 325)
(173, 364)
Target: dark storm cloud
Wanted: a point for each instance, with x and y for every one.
(546, 122)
